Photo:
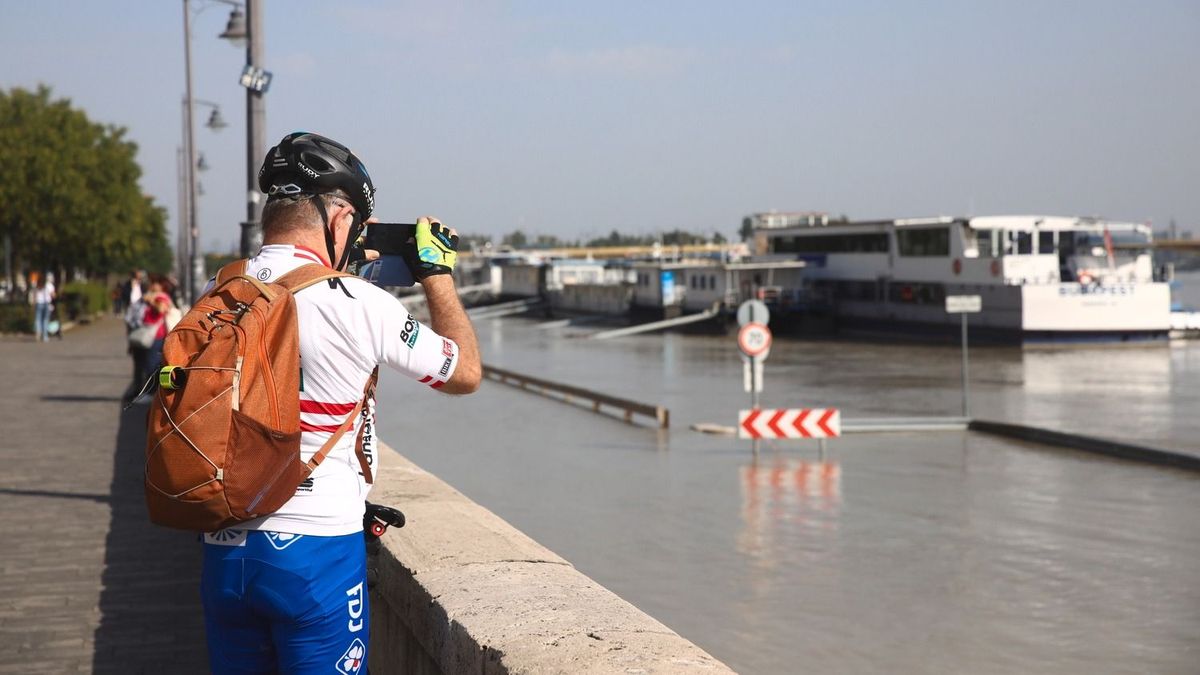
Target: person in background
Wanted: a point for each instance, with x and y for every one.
(158, 307)
(43, 300)
(131, 291)
(134, 314)
(153, 308)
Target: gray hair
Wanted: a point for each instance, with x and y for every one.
(290, 213)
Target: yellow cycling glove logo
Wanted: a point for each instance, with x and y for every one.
(436, 247)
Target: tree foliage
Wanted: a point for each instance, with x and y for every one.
(70, 197)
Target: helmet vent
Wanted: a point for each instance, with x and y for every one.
(338, 152)
(317, 162)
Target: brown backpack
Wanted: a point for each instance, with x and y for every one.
(223, 435)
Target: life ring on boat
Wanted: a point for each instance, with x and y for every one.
(957, 266)
(995, 268)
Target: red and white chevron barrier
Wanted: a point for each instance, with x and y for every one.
(790, 423)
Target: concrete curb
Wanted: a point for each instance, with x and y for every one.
(460, 590)
(1126, 451)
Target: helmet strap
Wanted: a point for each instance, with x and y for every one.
(351, 237)
(356, 228)
(329, 247)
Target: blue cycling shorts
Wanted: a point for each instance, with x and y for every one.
(286, 603)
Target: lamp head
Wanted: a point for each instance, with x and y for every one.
(215, 121)
(235, 29)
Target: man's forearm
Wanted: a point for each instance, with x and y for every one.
(449, 319)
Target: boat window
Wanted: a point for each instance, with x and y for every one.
(1021, 242)
(988, 243)
(1045, 242)
(932, 241)
(1129, 239)
(916, 293)
(863, 291)
(868, 242)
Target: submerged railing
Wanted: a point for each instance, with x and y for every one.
(600, 403)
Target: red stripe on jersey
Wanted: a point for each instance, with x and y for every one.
(425, 379)
(437, 385)
(324, 408)
(305, 426)
(309, 254)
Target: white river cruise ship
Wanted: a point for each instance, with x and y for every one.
(1041, 278)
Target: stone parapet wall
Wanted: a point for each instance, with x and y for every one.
(462, 591)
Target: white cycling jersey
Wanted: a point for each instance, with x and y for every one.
(344, 334)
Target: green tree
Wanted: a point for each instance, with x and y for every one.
(746, 232)
(515, 239)
(679, 237)
(70, 197)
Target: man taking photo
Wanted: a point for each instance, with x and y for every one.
(287, 592)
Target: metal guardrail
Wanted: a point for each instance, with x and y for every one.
(657, 325)
(570, 394)
(1103, 446)
(886, 424)
(504, 308)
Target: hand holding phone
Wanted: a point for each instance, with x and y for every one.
(434, 250)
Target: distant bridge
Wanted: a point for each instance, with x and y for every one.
(653, 251)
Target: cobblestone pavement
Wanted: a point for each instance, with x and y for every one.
(87, 584)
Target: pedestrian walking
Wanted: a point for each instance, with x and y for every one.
(43, 300)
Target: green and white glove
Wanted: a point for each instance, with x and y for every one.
(435, 249)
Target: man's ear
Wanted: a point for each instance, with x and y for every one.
(338, 222)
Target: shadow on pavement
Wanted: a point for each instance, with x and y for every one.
(78, 398)
(151, 620)
(57, 495)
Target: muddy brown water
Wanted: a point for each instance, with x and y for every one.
(899, 552)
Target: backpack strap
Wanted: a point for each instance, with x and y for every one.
(316, 459)
(234, 269)
(368, 394)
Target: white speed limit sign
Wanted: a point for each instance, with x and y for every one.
(754, 339)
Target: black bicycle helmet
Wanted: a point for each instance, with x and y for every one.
(305, 163)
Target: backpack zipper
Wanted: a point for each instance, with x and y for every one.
(270, 379)
(268, 375)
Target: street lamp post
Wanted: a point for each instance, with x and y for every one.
(190, 153)
(196, 262)
(190, 261)
(257, 121)
(256, 113)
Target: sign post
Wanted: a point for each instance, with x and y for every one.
(964, 305)
(754, 341)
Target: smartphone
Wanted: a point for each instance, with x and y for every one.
(387, 270)
(390, 239)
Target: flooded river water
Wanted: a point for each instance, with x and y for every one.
(901, 552)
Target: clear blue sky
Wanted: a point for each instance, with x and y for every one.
(576, 118)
